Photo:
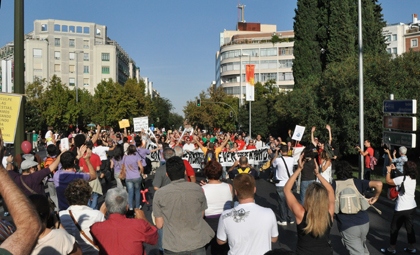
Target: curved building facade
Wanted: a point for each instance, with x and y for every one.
(269, 50)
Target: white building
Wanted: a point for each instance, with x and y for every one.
(80, 53)
(252, 43)
(401, 37)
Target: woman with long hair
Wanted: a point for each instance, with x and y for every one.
(325, 167)
(314, 219)
(133, 169)
(405, 207)
(116, 163)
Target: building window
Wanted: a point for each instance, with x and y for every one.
(285, 51)
(394, 50)
(98, 32)
(86, 30)
(57, 68)
(105, 70)
(414, 43)
(44, 27)
(388, 38)
(71, 55)
(57, 28)
(79, 29)
(64, 28)
(268, 52)
(71, 82)
(57, 55)
(287, 63)
(71, 43)
(86, 44)
(37, 67)
(388, 50)
(105, 56)
(71, 29)
(56, 41)
(285, 76)
(85, 82)
(37, 53)
(394, 37)
(85, 56)
(85, 69)
(71, 68)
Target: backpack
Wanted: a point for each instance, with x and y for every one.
(210, 155)
(348, 199)
(244, 171)
(374, 159)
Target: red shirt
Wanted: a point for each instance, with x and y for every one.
(250, 147)
(188, 169)
(367, 157)
(241, 144)
(121, 235)
(95, 160)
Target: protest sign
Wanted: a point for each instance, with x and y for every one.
(140, 123)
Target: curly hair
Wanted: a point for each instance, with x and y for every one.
(213, 170)
(78, 192)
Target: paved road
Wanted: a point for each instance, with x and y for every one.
(266, 196)
(378, 236)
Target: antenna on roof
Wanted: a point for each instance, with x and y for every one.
(241, 7)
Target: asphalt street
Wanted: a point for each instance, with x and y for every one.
(266, 196)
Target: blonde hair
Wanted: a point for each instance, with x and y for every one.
(316, 204)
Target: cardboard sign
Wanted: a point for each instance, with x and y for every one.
(141, 123)
(9, 112)
(298, 133)
(124, 123)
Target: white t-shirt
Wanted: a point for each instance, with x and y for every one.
(219, 198)
(248, 228)
(258, 144)
(406, 201)
(297, 151)
(101, 151)
(86, 217)
(188, 147)
(58, 241)
(281, 173)
(327, 174)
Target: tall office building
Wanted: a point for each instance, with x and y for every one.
(80, 53)
(269, 50)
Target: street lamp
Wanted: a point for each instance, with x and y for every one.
(77, 74)
(77, 82)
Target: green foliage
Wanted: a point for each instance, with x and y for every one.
(54, 104)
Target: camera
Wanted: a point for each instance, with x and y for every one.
(129, 214)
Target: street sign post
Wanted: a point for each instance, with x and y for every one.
(400, 139)
(400, 106)
(400, 123)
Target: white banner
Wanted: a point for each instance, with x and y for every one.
(140, 123)
(195, 158)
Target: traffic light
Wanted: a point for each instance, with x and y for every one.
(198, 102)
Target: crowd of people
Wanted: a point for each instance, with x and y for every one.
(61, 193)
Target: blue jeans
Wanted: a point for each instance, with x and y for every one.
(93, 201)
(303, 187)
(133, 187)
(285, 213)
(118, 181)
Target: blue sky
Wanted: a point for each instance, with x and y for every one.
(173, 42)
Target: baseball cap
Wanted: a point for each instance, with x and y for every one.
(28, 163)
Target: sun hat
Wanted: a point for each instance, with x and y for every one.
(28, 163)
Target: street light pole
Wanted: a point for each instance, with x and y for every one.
(77, 83)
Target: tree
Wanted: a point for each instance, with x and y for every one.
(306, 48)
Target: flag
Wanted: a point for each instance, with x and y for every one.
(250, 82)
